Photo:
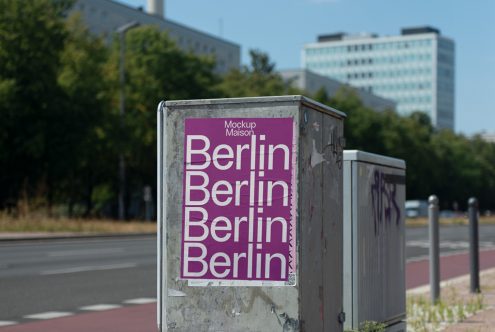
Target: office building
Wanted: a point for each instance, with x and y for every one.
(416, 68)
(104, 17)
(488, 137)
(311, 82)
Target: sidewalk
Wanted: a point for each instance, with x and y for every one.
(454, 272)
(483, 321)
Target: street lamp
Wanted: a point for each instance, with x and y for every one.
(122, 183)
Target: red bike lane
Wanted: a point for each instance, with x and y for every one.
(142, 318)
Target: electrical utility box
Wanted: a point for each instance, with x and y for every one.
(374, 240)
(250, 215)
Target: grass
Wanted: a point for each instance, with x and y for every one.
(422, 316)
(419, 222)
(370, 326)
(43, 224)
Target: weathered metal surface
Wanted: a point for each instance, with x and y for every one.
(332, 201)
(374, 244)
(315, 302)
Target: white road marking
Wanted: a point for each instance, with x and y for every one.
(96, 251)
(142, 300)
(7, 323)
(89, 268)
(49, 315)
(100, 307)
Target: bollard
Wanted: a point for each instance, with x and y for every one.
(473, 245)
(434, 248)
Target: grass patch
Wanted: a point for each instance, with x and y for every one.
(422, 316)
(420, 222)
(43, 224)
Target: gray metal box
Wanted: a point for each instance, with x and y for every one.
(374, 239)
(312, 301)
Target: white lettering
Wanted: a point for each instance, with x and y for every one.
(214, 263)
(202, 187)
(195, 223)
(190, 151)
(200, 260)
(216, 191)
(215, 227)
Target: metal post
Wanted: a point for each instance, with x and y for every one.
(122, 178)
(474, 245)
(434, 248)
(147, 202)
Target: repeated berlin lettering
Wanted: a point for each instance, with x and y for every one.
(238, 218)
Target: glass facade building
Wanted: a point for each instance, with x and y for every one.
(415, 69)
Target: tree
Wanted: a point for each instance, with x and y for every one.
(31, 39)
(87, 163)
(258, 79)
(156, 69)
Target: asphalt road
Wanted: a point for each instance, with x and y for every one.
(452, 239)
(64, 275)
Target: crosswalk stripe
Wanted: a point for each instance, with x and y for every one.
(49, 315)
(7, 323)
(100, 307)
(142, 300)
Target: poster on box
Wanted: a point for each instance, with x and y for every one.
(238, 208)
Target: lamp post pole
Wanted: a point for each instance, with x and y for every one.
(122, 178)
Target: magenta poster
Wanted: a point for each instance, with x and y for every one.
(238, 212)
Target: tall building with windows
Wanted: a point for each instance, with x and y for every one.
(311, 83)
(104, 17)
(415, 69)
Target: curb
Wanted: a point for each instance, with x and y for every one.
(42, 237)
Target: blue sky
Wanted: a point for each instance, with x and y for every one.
(282, 27)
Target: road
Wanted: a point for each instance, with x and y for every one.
(67, 276)
(452, 239)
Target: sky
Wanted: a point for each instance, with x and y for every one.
(281, 28)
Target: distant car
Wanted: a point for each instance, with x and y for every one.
(416, 208)
(448, 214)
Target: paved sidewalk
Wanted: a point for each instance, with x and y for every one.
(483, 321)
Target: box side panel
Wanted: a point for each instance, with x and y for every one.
(210, 308)
(161, 208)
(310, 221)
(348, 245)
(331, 203)
(320, 205)
(380, 237)
(354, 320)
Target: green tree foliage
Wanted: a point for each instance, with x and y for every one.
(61, 131)
(156, 69)
(258, 79)
(81, 77)
(439, 162)
(31, 102)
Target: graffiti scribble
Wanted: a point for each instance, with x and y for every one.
(384, 199)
